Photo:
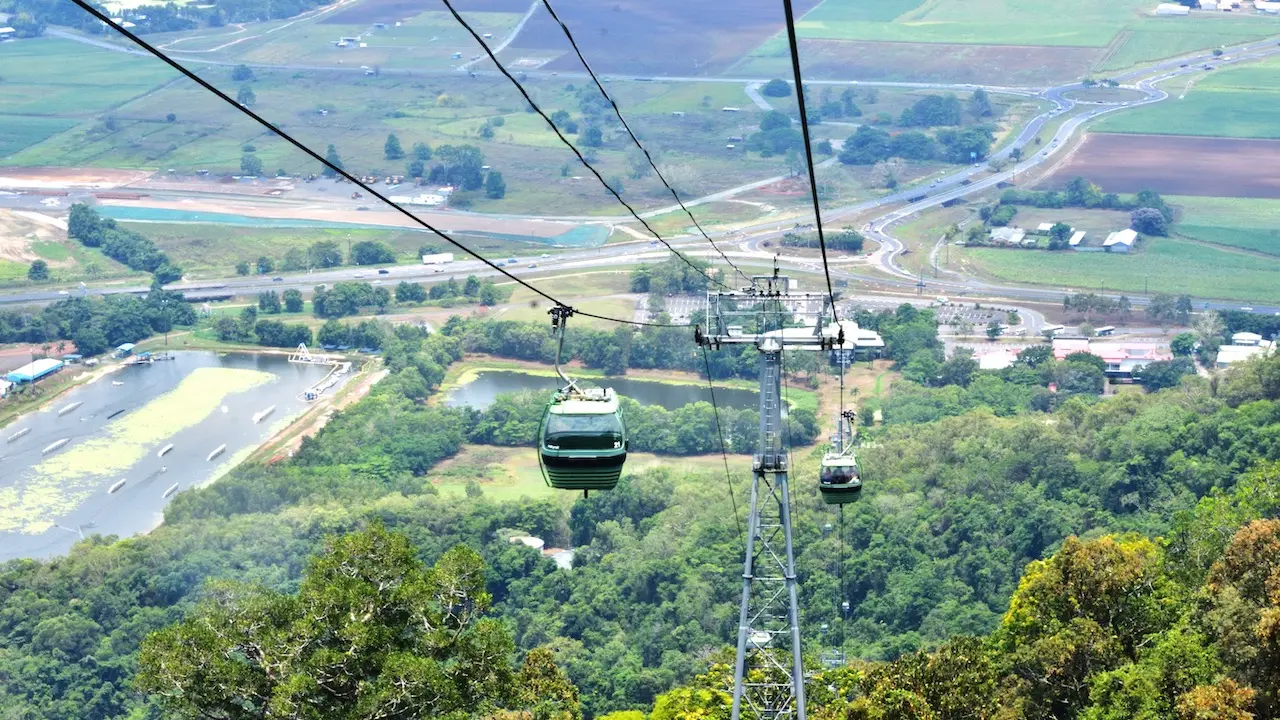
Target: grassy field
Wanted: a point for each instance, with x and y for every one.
(1155, 38)
(1233, 102)
(920, 234)
(215, 249)
(1247, 223)
(1165, 265)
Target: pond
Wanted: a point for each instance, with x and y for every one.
(115, 430)
(481, 392)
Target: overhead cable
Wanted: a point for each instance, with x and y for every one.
(346, 175)
(636, 140)
(808, 150)
(502, 69)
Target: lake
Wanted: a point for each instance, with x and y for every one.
(197, 402)
(481, 392)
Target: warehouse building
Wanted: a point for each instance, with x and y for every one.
(33, 371)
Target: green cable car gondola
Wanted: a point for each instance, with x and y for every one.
(582, 441)
(840, 480)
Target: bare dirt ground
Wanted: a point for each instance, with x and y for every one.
(673, 37)
(67, 178)
(19, 229)
(932, 62)
(1215, 167)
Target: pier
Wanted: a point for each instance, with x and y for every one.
(69, 408)
(164, 450)
(217, 451)
(54, 446)
(115, 487)
(18, 434)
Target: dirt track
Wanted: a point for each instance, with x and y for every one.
(1174, 165)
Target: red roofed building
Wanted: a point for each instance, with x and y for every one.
(1122, 358)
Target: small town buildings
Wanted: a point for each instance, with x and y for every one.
(1008, 236)
(1122, 358)
(1172, 9)
(1244, 345)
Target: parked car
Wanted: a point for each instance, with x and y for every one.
(384, 271)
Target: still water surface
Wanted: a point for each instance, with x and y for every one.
(481, 392)
(137, 506)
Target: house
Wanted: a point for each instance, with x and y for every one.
(1029, 242)
(1122, 358)
(1008, 235)
(1120, 241)
(1044, 228)
(7, 32)
(859, 344)
(1229, 355)
(1246, 339)
(1267, 7)
(4, 387)
(1076, 238)
(124, 350)
(1172, 9)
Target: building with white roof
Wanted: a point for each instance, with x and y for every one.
(1120, 241)
(1008, 235)
(1246, 338)
(1076, 238)
(997, 359)
(1170, 9)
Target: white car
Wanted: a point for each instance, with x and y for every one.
(63, 292)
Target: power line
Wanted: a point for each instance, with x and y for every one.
(720, 431)
(570, 145)
(636, 140)
(340, 171)
(808, 150)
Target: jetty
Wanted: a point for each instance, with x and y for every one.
(164, 450)
(54, 446)
(117, 486)
(217, 451)
(172, 489)
(260, 416)
(17, 435)
(69, 408)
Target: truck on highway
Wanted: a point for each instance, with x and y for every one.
(437, 259)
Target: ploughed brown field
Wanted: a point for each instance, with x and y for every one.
(1175, 165)
(659, 37)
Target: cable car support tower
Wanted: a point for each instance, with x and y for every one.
(768, 679)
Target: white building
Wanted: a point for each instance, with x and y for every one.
(1170, 9)
(1267, 7)
(1231, 354)
(1008, 235)
(1120, 241)
(1208, 4)
(997, 360)
(1076, 238)
(1246, 338)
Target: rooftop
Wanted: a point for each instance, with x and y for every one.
(1121, 237)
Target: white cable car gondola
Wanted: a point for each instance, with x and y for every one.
(840, 480)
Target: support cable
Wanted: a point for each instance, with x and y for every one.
(728, 480)
(346, 175)
(636, 140)
(448, 4)
(808, 150)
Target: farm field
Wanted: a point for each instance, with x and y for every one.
(1249, 224)
(1167, 265)
(1172, 165)
(1234, 102)
(215, 249)
(1154, 38)
(670, 37)
(951, 41)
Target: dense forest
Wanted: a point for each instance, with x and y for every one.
(960, 547)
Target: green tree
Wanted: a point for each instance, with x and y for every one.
(38, 272)
(246, 97)
(293, 301)
(592, 137)
(391, 149)
(331, 155)
(994, 330)
(1149, 221)
(495, 188)
(242, 268)
(371, 252)
(1059, 235)
(979, 105)
(324, 254)
(371, 632)
(1183, 344)
(776, 88)
(250, 165)
(269, 302)
(242, 73)
(265, 265)
(421, 151)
